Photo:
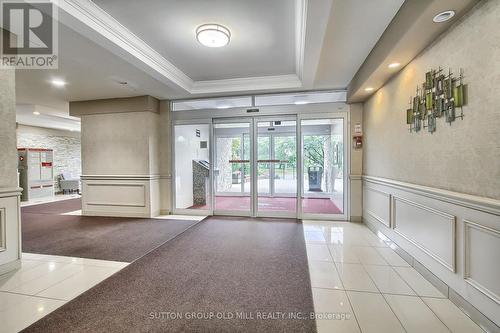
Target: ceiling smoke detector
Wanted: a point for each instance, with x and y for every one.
(213, 35)
(443, 16)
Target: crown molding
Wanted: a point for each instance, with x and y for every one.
(300, 36)
(99, 21)
(247, 83)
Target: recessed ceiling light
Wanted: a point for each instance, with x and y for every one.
(223, 107)
(444, 16)
(301, 102)
(369, 89)
(58, 83)
(36, 113)
(213, 35)
(394, 65)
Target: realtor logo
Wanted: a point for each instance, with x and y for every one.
(29, 34)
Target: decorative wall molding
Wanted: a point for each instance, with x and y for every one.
(99, 21)
(468, 225)
(120, 177)
(10, 192)
(123, 187)
(3, 236)
(10, 229)
(450, 218)
(121, 195)
(455, 236)
(386, 222)
(355, 177)
(483, 204)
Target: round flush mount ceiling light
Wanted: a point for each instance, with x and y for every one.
(394, 65)
(369, 89)
(36, 113)
(213, 35)
(443, 16)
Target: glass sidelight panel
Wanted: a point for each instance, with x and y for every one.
(192, 167)
(276, 168)
(232, 168)
(322, 166)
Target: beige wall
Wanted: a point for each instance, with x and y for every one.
(120, 144)
(8, 153)
(463, 157)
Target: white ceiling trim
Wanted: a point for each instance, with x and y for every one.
(94, 17)
(300, 36)
(249, 83)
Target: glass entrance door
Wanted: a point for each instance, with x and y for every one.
(232, 167)
(261, 164)
(276, 167)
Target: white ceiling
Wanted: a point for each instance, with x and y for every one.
(277, 45)
(262, 34)
(354, 28)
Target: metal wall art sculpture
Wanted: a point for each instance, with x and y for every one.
(441, 95)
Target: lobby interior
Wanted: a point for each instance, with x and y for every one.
(254, 166)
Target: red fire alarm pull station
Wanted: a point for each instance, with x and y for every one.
(357, 141)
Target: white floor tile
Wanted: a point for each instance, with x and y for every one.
(346, 238)
(387, 280)
(318, 252)
(373, 313)
(324, 275)
(73, 260)
(27, 310)
(17, 278)
(373, 240)
(355, 277)
(78, 283)
(414, 314)
(418, 283)
(391, 257)
(452, 316)
(369, 256)
(47, 280)
(335, 304)
(344, 254)
(314, 237)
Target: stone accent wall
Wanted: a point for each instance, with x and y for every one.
(224, 168)
(66, 146)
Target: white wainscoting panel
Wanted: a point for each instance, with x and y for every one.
(431, 230)
(125, 196)
(10, 244)
(455, 236)
(481, 258)
(377, 204)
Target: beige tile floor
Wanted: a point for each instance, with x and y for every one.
(357, 276)
(44, 283)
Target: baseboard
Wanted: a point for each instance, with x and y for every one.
(477, 316)
(358, 219)
(8, 267)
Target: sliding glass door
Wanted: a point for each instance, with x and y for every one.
(323, 168)
(276, 166)
(232, 167)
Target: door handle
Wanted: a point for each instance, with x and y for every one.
(271, 161)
